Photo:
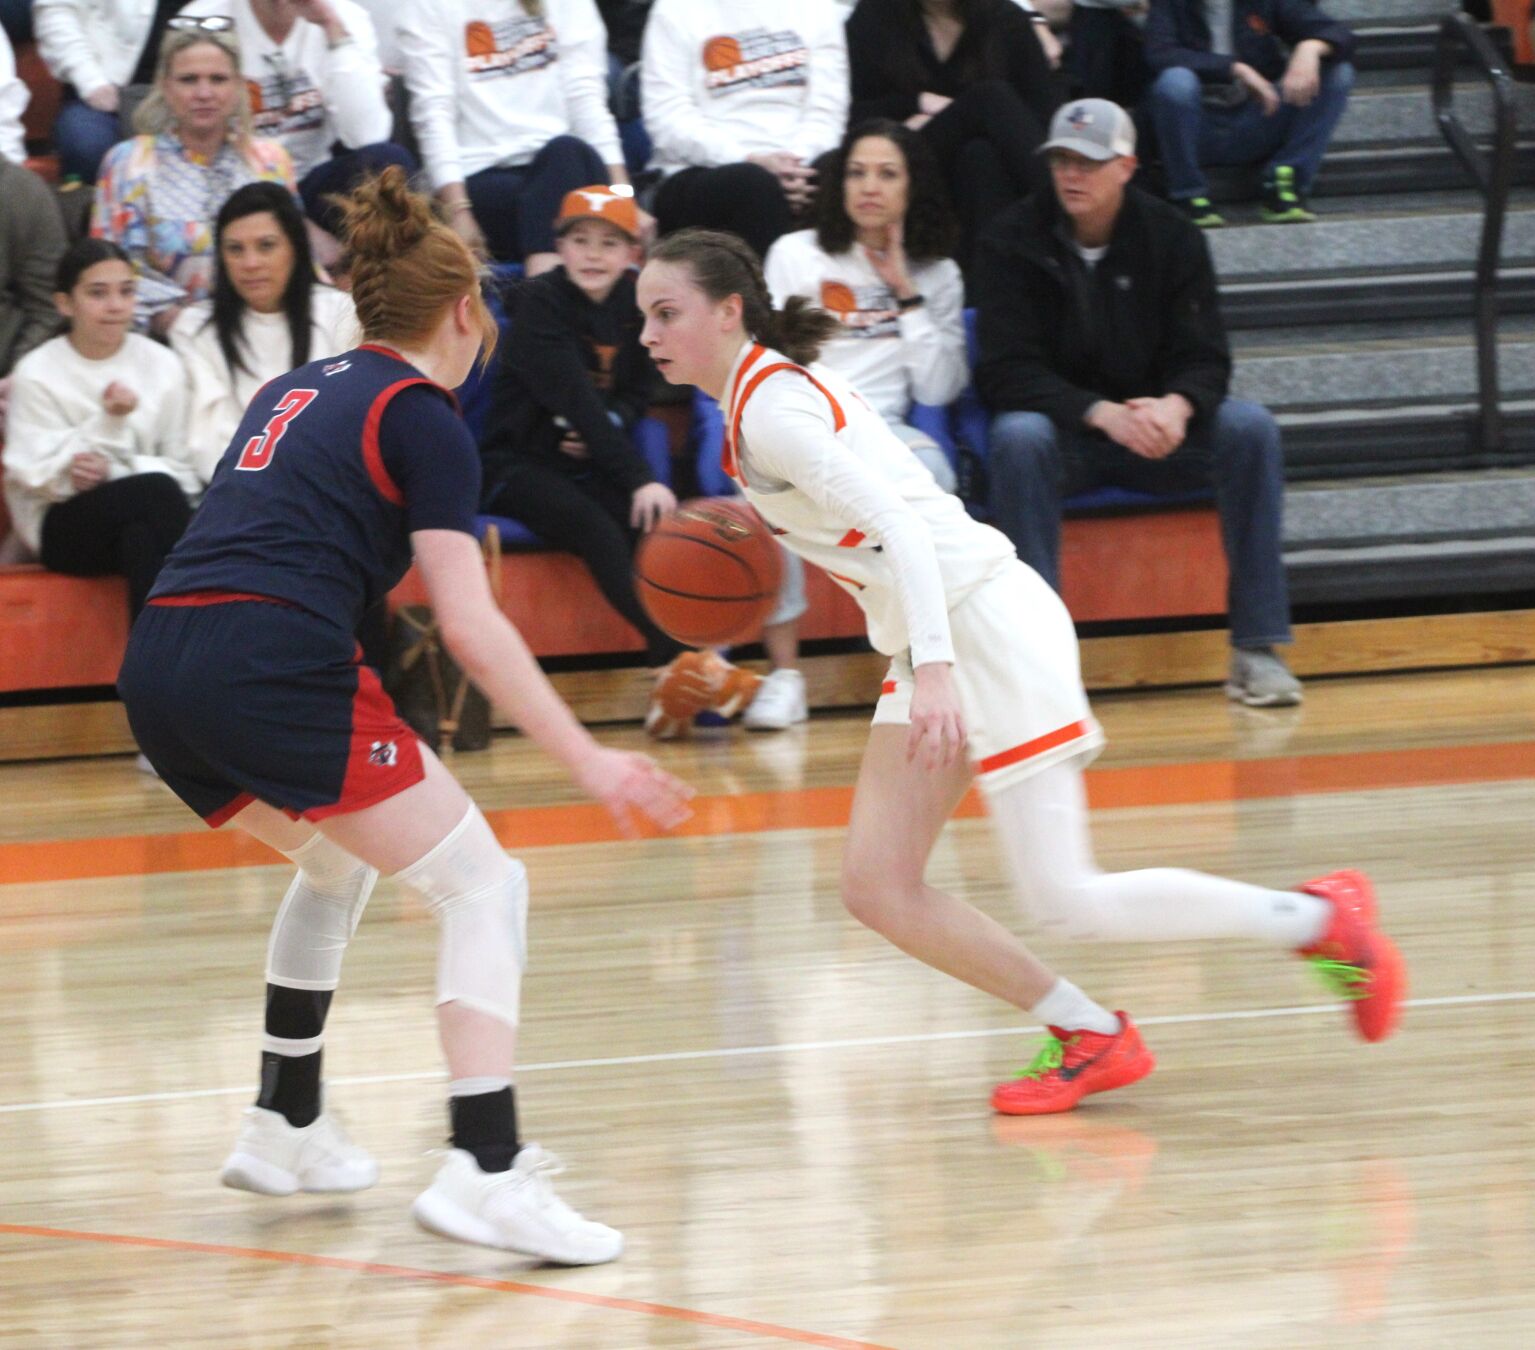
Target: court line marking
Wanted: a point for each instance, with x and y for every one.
(1199, 782)
(663, 1310)
(780, 1048)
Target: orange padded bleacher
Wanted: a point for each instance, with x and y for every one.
(57, 632)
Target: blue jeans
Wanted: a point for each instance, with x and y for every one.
(516, 207)
(341, 173)
(1192, 135)
(1035, 466)
(83, 135)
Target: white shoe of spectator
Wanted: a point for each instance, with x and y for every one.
(780, 702)
(272, 1157)
(516, 1210)
(1260, 679)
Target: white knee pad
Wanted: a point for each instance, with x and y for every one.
(479, 896)
(318, 916)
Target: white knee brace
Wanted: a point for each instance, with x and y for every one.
(479, 896)
(318, 916)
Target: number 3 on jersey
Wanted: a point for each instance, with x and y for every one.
(261, 447)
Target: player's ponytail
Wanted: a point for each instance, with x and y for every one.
(407, 265)
(723, 265)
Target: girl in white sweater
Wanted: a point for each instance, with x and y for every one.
(740, 97)
(510, 106)
(96, 474)
(267, 316)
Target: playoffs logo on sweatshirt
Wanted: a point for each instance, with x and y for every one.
(510, 47)
(864, 311)
(755, 59)
(285, 104)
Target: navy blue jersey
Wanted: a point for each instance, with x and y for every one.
(332, 468)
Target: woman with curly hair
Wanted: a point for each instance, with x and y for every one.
(879, 261)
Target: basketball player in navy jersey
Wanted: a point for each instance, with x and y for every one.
(245, 689)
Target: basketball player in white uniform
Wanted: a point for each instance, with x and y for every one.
(984, 684)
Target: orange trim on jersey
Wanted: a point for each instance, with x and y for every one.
(847, 581)
(889, 687)
(1038, 746)
(193, 599)
(852, 539)
(728, 458)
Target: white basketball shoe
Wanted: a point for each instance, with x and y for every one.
(779, 703)
(272, 1157)
(516, 1210)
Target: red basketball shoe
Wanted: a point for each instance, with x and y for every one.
(1354, 959)
(1073, 1064)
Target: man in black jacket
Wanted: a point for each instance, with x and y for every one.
(1104, 360)
(1246, 82)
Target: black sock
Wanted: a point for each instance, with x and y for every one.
(290, 1084)
(485, 1125)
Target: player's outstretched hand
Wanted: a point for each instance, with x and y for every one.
(625, 782)
(937, 724)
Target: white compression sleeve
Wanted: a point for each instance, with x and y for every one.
(479, 897)
(1042, 826)
(318, 916)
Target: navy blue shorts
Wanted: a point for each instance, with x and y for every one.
(241, 700)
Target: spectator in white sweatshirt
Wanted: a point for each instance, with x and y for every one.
(509, 103)
(740, 97)
(316, 88)
(96, 475)
(267, 316)
(103, 52)
(879, 260)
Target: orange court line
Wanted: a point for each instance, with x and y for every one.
(765, 1329)
(816, 808)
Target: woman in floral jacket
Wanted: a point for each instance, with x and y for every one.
(159, 193)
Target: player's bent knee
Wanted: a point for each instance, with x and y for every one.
(870, 894)
(318, 916)
(479, 897)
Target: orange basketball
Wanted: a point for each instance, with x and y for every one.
(479, 40)
(721, 53)
(838, 299)
(708, 574)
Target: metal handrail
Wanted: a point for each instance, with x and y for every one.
(1492, 174)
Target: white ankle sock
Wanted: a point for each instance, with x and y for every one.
(1067, 1007)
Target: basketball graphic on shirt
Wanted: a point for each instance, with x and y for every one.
(721, 53)
(253, 93)
(838, 299)
(479, 40)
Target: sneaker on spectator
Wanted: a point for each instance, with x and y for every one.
(1260, 679)
(1282, 202)
(1201, 210)
(780, 702)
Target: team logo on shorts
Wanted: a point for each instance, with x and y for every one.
(384, 754)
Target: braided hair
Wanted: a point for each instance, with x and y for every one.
(407, 265)
(723, 265)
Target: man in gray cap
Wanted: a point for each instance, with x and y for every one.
(1104, 361)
